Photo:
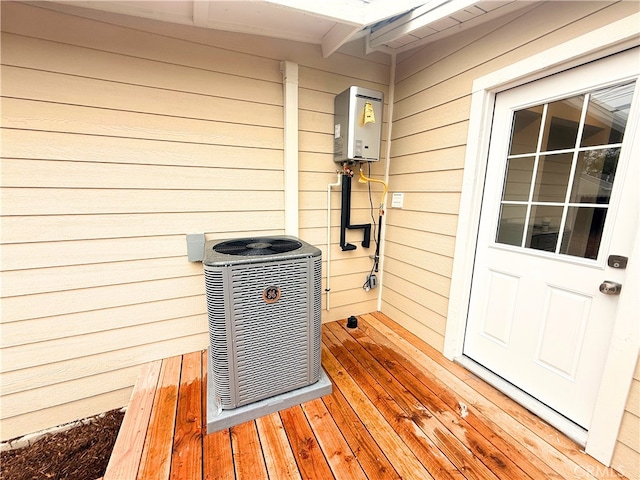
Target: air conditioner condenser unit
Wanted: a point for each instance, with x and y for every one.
(264, 308)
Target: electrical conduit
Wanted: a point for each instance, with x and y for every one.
(365, 179)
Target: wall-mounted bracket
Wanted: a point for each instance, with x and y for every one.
(345, 218)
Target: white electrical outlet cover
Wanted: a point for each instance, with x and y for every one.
(397, 200)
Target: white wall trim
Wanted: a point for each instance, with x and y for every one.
(290, 104)
(607, 40)
(383, 224)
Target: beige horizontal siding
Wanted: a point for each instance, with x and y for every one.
(27, 83)
(54, 327)
(61, 201)
(42, 23)
(36, 115)
(120, 136)
(411, 237)
(445, 137)
(434, 160)
(18, 256)
(57, 279)
(24, 307)
(67, 348)
(133, 68)
(626, 457)
(431, 113)
(444, 224)
(86, 407)
(451, 113)
(62, 146)
(53, 228)
(22, 381)
(62, 174)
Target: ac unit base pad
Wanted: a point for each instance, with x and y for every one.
(245, 413)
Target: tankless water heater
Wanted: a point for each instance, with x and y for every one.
(358, 125)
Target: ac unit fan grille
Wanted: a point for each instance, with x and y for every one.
(257, 246)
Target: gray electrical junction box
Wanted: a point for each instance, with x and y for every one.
(357, 125)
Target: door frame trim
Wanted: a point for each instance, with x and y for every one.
(621, 361)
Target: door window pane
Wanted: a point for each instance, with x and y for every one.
(537, 210)
(583, 231)
(526, 130)
(552, 178)
(595, 171)
(518, 181)
(511, 225)
(544, 227)
(561, 124)
(607, 115)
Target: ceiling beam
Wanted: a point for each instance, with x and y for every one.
(351, 13)
(338, 36)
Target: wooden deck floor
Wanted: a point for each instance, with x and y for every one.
(398, 410)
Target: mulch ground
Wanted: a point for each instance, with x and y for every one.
(81, 453)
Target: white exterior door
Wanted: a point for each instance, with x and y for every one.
(552, 223)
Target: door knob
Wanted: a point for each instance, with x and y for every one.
(610, 288)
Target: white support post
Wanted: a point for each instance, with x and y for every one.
(383, 220)
(290, 104)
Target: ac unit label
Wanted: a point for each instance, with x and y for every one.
(271, 294)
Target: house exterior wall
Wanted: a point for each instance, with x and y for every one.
(430, 128)
(119, 137)
(626, 456)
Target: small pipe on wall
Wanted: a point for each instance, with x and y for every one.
(328, 281)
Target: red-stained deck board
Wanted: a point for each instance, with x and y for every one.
(394, 412)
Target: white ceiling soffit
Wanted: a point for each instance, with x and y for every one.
(350, 16)
(328, 23)
(429, 22)
(389, 25)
